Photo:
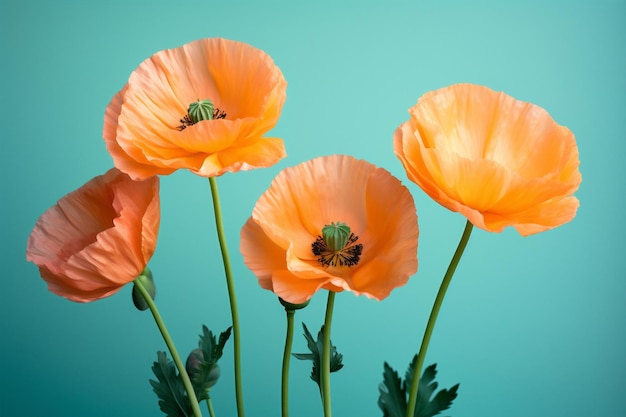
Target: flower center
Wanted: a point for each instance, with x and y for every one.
(337, 246)
(200, 110)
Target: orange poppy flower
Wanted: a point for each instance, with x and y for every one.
(97, 238)
(496, 160)
(149, 128)
(336, 223)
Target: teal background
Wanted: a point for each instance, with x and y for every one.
(530, 327)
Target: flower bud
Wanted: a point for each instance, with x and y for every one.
(194, 360)
(145, 279)
(193, 365)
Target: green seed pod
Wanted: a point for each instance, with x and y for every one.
(336, 236)
(201, 110)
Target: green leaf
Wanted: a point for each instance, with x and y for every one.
(173, 399)
(394, 392)
(426, 406)
(206, 373)
(392, 398)
(316, 347)
(210, 347)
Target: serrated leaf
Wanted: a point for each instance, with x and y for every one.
(426, 406)
(210, 347)
(207, 372)
(393, 393)
(392, 399)
(427, 385)
(316, 347)
(173, 399)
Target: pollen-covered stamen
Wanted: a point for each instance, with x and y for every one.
(219, 114)
(336, 246)
(200, 110)
(185, 121)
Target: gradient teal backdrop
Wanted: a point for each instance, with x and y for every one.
(530, 327)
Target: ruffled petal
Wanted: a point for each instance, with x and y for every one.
(298, 291)
(135, 163)
(97, 238)
(255, 153)
(498, 161)
(290, 215)
(145, 127)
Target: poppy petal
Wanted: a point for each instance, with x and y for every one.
(498, 161)
(147, 129)
(97, 238)
(277, 242)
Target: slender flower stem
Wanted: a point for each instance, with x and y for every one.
(170, 345)
(209, 405)
(417, 370)
(325, 371)
(286, 361)
(231, 294)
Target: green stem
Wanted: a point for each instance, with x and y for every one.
(286, 361)
(231, 293)
(417, 370)
(209, 405)
(325, 371)
(170, 345)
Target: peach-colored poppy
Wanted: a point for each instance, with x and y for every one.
(496, 160)
(148, 129)
(97, 238)
(283, 241)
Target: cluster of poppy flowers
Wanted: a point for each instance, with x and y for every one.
(496, 160)
(334, 222)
